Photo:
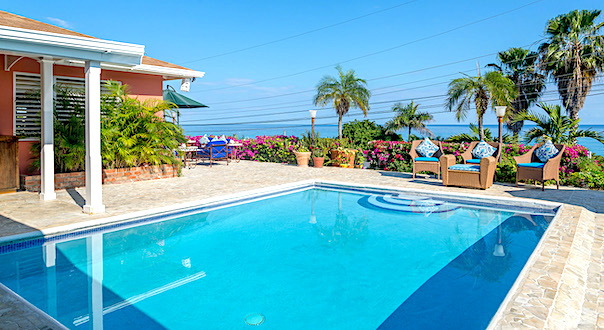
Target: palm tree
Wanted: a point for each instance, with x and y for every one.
(573, 54)
(408, 116)
(519, 65)
(345, 91)
(493, 88)
(554, 125)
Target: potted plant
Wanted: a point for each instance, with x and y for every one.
(318, 157)
(343, 157)
(302, 156)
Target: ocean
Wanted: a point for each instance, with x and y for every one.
(332, 131)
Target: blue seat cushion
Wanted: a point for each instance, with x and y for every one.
(533, 165)
(473, 161)
(426, 159)
(465, 167)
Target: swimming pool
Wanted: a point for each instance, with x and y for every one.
(318, 257)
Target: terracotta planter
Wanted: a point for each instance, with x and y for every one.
(348, 157)
(302, 158)
(318, 161)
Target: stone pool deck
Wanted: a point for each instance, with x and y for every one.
(561, 288)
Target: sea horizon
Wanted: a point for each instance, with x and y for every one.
(439, 130)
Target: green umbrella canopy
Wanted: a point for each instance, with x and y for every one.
(180, 100)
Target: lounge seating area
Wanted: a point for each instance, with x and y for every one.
(479, 163)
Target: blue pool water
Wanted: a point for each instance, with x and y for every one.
(315, 259)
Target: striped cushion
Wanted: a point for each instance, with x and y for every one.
(473, 161)
(426, 159)
(465, 167)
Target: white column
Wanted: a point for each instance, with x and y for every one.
(50, 258)
(94, 164)
(47, 155)
(94, 246)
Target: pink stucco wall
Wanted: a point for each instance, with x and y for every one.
(142, 86)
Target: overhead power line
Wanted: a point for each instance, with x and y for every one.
(331, 117)
(384, 50)
(301, 34)
(312, 108)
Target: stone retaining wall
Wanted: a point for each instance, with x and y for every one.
(110, 176)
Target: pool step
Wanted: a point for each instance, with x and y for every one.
(410, 204)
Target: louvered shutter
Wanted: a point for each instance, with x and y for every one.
(27, 101)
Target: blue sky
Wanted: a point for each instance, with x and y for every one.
(185, 32)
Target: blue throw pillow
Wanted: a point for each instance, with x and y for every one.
(483, 150)
(546, 151)
(427, 148)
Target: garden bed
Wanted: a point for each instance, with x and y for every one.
(110, 176)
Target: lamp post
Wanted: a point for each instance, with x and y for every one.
(500, 112)
(313, 115)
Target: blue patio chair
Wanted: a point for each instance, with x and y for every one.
(213, 151)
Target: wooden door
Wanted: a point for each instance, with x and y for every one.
(9, 163)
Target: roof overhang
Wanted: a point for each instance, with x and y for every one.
(39, 43)
(165, 72)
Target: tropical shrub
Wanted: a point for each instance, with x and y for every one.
(69, 147)
(131, 132)
(360, 132)
(587, 179)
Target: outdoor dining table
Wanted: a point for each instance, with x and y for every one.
(233, 148)
(190, 156)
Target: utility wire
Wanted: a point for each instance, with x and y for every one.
(301, 34)
(384, 50)
(218, 129)
(304, 103)
(322, 118)
(381, 102)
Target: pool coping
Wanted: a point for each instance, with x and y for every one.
(127, 220)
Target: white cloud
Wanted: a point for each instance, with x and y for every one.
(59, 22)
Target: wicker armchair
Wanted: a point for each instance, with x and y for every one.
(468, 158)
(468, 175)
(529, 167)
(429, 164)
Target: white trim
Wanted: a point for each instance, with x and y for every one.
(166, 72)
(62, 45)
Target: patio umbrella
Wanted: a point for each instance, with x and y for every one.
(181, 101)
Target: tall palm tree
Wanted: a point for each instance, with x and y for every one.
(554, 125)
(345, 91)
(573, 54)
(408, 116)
(519, 65)
(493, 88)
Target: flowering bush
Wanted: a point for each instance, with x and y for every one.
(275, 149)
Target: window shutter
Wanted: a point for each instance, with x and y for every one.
(69, 98)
